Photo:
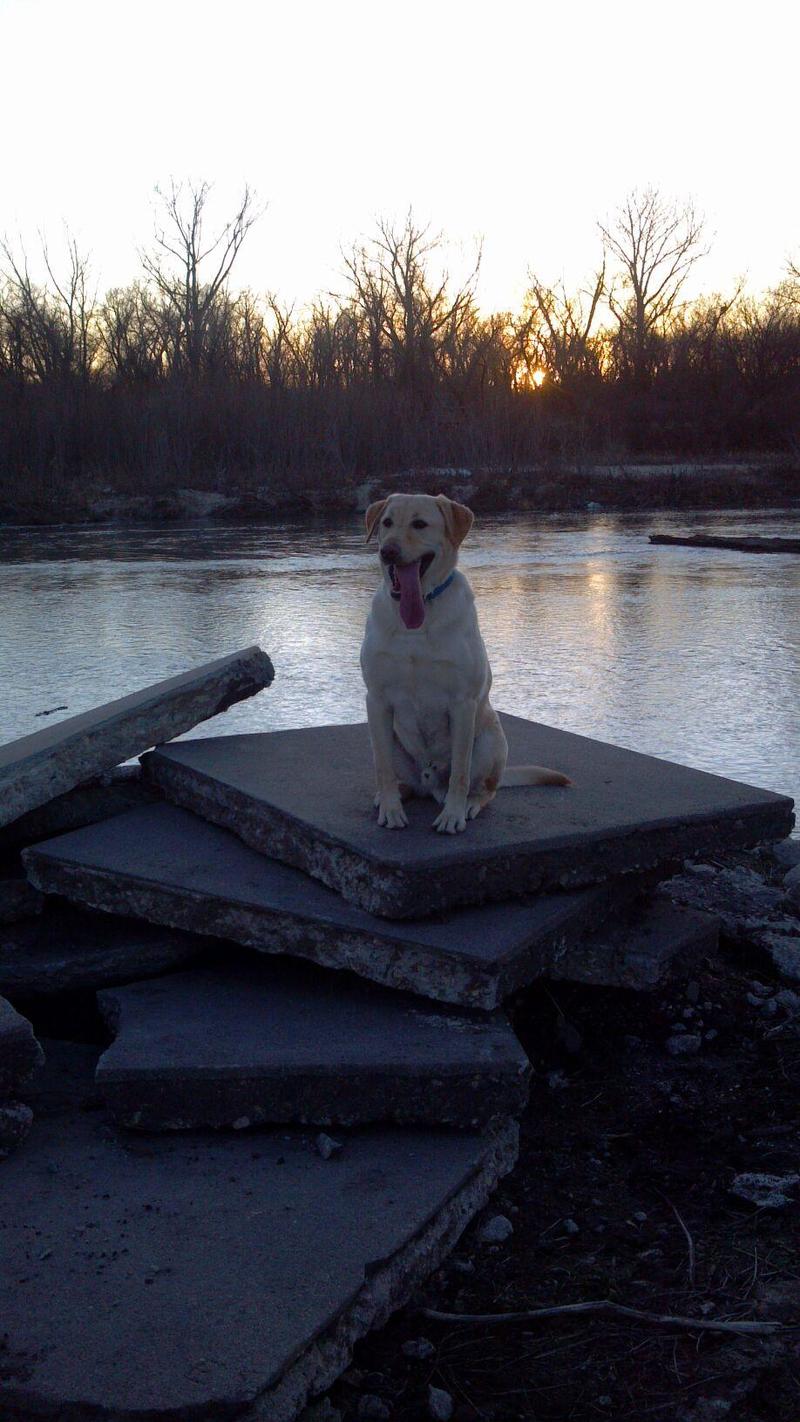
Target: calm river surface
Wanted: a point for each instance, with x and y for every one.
(684, 653)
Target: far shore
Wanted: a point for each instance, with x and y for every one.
(656, 484)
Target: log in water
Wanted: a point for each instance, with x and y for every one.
(743, 545)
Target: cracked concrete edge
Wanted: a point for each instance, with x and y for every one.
(51, 767)
(388, 1285)
(395, 891)
(391, 963)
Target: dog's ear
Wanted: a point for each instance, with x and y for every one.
(372, 515)
(458, 519)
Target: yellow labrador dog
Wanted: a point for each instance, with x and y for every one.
(432, 726)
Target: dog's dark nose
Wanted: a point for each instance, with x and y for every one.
(390, 552)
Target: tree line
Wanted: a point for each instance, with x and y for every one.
(178, 378)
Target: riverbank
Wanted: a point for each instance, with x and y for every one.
(554, 487)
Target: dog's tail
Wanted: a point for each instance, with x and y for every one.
(532, 775)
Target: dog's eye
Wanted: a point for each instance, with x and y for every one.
(387, 523)
(418, 523)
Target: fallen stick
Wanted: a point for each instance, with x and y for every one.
(613, 1310)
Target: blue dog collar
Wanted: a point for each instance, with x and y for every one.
(441, 588)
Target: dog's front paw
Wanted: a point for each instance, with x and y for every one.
(453, 817)
(391, 814)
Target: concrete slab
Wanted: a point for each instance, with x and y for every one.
(186, 1278)
(36, 768)
(305, 797)
(167, 865)
(287, 1042)
(637, 949)
(67, 949)
(20, 1052)
(120, 789)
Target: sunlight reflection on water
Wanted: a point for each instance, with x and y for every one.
(684, 653)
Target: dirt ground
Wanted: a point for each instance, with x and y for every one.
(623, 1192)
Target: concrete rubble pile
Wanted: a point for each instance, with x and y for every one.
(313, 1080)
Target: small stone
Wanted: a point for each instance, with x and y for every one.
(640, 1216)
(685, 1046)
(759, 988)
(241, 1123)
(15, 1123)
(327, 1146)
(556, 1080)
(464, 1266)
(440, 1404)
(791, 884)
(787, 852)
(373, 1409)
(496, 1230)
(418, 1348)
(633, 1043)
(711, 1034)
(571, 1227)
(678, 1027)
(768, 1192)
(688, 1012)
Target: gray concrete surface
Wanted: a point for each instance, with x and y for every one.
(214, 1277)
(20, 1052)
(306, 797)
(637, 948)
(282, 1041)
(36, 768)
(171, 867)
(118, 790)
(68, 949)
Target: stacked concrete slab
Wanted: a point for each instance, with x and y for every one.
(347, 977)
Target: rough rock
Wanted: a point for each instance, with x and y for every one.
(66, 949)
(112, 793)
(16, 1120)
(768, 1192)
(688, 1044)
(164, 864)
(301, 1261)
(752, 913)
(18, 900)
(787, 852)
(637, 947)
(496, 1230)
(306, 797)
(36, 768)
(440, 1403)
(791, 884)
(285, 1042)
(20, 1052)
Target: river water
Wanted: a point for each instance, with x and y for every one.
(684, 653)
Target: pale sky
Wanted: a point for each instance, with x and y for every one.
(520, 124)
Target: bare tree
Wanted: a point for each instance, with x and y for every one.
(555, 333)
(53, 325)
(407, 312)
(655, 244)
(190, 271)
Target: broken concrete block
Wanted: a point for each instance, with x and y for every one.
(171, 867)
(18, 900)
(216, 1276)
(306, 797)
(36, 768)
(20, 1052)
(67, 949)
(120, 789)
(637, 948)
(286, 1042)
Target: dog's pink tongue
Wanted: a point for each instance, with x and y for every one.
(412, 608)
